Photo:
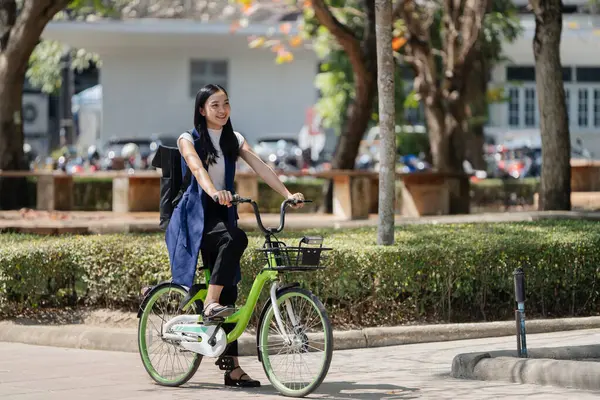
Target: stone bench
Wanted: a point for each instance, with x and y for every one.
(54, 188)
(355, 192)
(351, 190)
(585, 185)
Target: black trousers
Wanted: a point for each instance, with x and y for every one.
(222, 248)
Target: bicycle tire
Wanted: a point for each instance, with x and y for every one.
(263, 346)
(152, 297)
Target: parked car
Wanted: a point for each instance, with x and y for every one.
(133, 152)
(280, 153)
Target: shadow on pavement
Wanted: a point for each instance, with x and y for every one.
(343, 390)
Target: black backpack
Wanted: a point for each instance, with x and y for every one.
(172, 184)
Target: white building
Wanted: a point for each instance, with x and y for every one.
(580, 57)
(152, 69)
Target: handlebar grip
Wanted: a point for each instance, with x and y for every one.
(236, 198)
(294, 202)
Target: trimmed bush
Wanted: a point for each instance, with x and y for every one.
(498, 191)
(432, 273)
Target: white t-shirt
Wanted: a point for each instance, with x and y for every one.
(215, 171)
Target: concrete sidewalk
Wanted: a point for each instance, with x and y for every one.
(122, 336)
(82, 222)
(417, 371)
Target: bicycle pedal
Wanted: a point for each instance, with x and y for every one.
(225, 363)
(213, 321)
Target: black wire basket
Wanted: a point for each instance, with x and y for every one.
(307, 256)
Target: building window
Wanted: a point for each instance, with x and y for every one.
(530, 107)
(527, 74)
(568, 104)
(203, 72)
(513, 107)
(582, 109)
(520, 74)
(588, 74)
(597, 107)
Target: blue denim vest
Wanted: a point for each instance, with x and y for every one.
(184, 233)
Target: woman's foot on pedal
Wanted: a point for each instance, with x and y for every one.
(238, 378)
(215, 310)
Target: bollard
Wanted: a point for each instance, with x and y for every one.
(519, 277)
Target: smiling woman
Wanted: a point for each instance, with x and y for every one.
(205, 221)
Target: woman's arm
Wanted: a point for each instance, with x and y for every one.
(195, 165)
(266, 173)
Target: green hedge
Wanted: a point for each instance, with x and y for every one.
(497, 191)
(432, 273)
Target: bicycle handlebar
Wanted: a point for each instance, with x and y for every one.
(237, 199)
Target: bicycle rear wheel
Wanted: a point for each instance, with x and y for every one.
(167, 363)
(296, 366)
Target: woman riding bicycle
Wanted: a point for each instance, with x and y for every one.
(205, 221)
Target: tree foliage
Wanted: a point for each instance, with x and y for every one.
(44, 70)
(335, 80)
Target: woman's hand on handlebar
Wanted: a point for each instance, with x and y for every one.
(222, 197)
(298, 200)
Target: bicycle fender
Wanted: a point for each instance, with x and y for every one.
(151, 291)
(264, 311)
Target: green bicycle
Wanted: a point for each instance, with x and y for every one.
(294, 336)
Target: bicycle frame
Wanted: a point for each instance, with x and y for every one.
(241, 318)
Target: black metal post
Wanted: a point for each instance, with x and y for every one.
(519, 278)
(66, 93)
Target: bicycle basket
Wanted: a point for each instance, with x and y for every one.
(307, 256)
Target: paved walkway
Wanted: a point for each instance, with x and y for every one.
(402, 372)
(32, 221)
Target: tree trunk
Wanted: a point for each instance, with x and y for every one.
(13, 190)
(456, 131)
(475, 145)
(357, 121)
(436, 127)
(362, 56)
(555, 188)
(477, 109)
(359, 115)
(387, 122)
(19, 34)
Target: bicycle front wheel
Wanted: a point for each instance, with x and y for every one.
(296, 360)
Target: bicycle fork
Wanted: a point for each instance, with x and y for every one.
(290, 312)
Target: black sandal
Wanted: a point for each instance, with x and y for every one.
(246, 383)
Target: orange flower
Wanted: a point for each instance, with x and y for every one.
(278, 48)
(295, 41)
(398, 42)
(286, 27)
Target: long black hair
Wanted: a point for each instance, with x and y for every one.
(228, 142)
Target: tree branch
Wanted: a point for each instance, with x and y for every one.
(342, 33)
(8, 17)
(418, 48)
(474, 13)
(370, 37)
(30, 23)
(344, 36)
(397, 10)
